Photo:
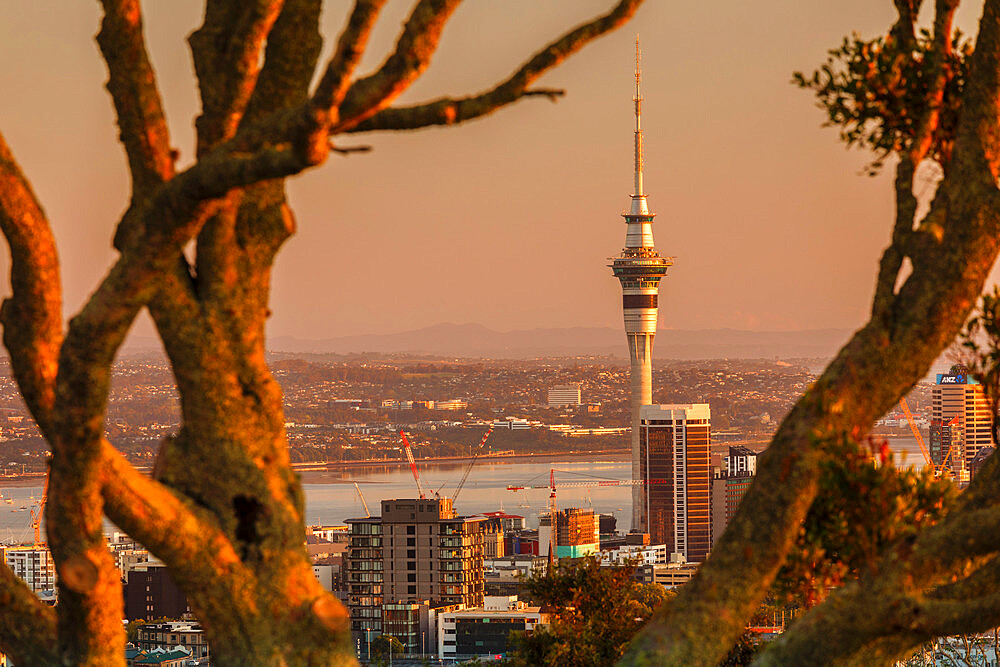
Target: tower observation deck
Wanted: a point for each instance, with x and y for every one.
(639, 268)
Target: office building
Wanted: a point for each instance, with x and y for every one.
(676, 470)
(565, 395)
(729, 487)
(417, 551)
(960, 421)
(639, 268)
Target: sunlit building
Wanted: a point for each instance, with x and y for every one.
(419, 550)
(565, 395)
(639, 268)
(676, 468)
(33, 565)
(960, 421)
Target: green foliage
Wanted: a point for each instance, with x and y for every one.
(980, 342)
(385, 646)
(863, 505)
(742, 653)
(597, 610)
(876, 92)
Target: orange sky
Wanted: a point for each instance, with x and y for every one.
(508, 221)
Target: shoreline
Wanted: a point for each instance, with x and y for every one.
(332, 472)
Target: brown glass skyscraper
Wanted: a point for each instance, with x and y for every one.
(676, 464)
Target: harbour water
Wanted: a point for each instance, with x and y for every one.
(333, 501)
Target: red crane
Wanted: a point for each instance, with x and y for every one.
(413, 465)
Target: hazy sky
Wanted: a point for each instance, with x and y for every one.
(508, 221)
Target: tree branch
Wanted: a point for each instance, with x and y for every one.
(27, 627)
(226, 51)
(414, 49)
(32, 316)
(911, 156)
(448, 111)
(351, 45)
(132, 84)
(169, 526)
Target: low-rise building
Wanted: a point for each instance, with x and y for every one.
(168, 636)
(484, 632)
(635, 554)
(670, 575)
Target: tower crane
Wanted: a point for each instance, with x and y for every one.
(938, 469)
(362, 496)
(36, 515)
(479, 449)
(551, 486)
(413, 465)
(916, 434)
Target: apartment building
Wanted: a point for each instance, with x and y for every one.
(419, 550)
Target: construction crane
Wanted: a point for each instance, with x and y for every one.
(413, 465)
(583, 483)
(938, 469)
(36, 515)
(362, 496)
(916, 434)
(951, 448)
(479, 449)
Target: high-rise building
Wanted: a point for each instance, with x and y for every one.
(729, 488)
(960, 421)
(639, 269)
(676, 466)
(418, 550)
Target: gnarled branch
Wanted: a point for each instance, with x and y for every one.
(448, 111)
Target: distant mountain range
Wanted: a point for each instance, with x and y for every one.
(474, 340)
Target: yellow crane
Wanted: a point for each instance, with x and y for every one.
(938, 469)
(36, 515)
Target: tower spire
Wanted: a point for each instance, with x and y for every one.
(638, 122)
(638, 194)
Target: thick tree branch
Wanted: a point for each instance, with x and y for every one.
(226, 51)
(172, 528)
(293, 48)
(883, 360)
(27, 627)
(448, 111)
(903, 236)
(32, 316)
(132, 84)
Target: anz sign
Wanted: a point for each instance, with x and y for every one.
(943, 378)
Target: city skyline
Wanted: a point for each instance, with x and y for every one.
(747, 180)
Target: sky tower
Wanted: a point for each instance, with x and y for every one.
(639, 268)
